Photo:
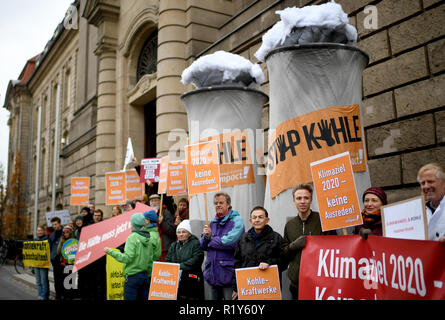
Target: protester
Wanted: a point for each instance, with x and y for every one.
(220, 239)
(78, 224)
(151, 219)
(166, 223)
(373, 199)
(53, 241)
(42, 273)
(183, 211)
(116, 211)
(137, 259)
(187, 252)
(259, 247)
(432, 184)
(98, 216)
(306, 223)
(87, 216)
(67, 233)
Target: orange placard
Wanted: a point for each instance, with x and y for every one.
(202, 167)
(176, 178)
(256, 284)
(164, 281)
(163, 172)
(336, 193)
(235, 158)
(80, 191)
(317, 135)
(115, 188)
(134, 188)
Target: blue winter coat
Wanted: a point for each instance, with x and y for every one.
(220, 247)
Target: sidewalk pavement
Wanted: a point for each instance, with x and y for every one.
(30, 280)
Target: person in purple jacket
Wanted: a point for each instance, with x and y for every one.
(220, 239)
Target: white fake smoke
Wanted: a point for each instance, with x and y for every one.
(317, 23)
(223, 68)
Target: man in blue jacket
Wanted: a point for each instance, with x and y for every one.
(220, 239)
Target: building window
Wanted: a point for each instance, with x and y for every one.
(148, 58)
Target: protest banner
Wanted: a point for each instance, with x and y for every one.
(108, 233)
(299, 141)
(115, 278)
(129, 154)
(150, 169)
(163, 173)
(176, 179)
(235, 158)
(115, 186)
(379, 268)
(80, 191)
(134, 189)
(336, 193)
(63, 215)
(256, 284)
(69, 250)
(202, 167)
(405, 219)
(164, 281)
(36, 254)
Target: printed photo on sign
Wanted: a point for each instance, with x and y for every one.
(336, 193)
(405, 219)
(297, 142)
(256, 284)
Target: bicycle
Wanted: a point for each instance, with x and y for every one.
(12, 250)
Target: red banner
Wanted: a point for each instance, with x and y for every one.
(108, 233)
(349, 267)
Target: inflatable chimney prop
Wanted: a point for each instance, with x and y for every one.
(226, 106)
(315, 79)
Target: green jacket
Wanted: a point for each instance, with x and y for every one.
(138, 253)
(293, 230)
(155, 239)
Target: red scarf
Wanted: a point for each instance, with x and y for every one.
(369, 219)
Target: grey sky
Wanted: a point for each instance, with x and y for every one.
(25, 28)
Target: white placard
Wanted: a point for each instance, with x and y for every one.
(64, 216)
(405, 219)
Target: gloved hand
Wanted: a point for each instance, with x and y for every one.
(298, 244)
(364, 233)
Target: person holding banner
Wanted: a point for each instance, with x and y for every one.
(187, 252)
(306, 223)
(166, 223)
(42, 273)
(137, 259)
(432, 184)
(373, 199)
(182, 213)
(67, 234)
(220, 239)
(259, 247)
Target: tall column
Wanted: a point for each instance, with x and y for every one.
(170, 111)
(105, 15)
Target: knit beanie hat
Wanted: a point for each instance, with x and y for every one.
(137, 220)
(67, 228)
(185, 224)
(151, 215)
(86, 209)
(378, 192)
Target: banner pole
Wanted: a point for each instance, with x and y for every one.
(161, 207)
(205, 206)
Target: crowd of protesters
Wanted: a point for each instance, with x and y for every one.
(166, 235)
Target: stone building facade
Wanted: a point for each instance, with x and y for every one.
(120, 72)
